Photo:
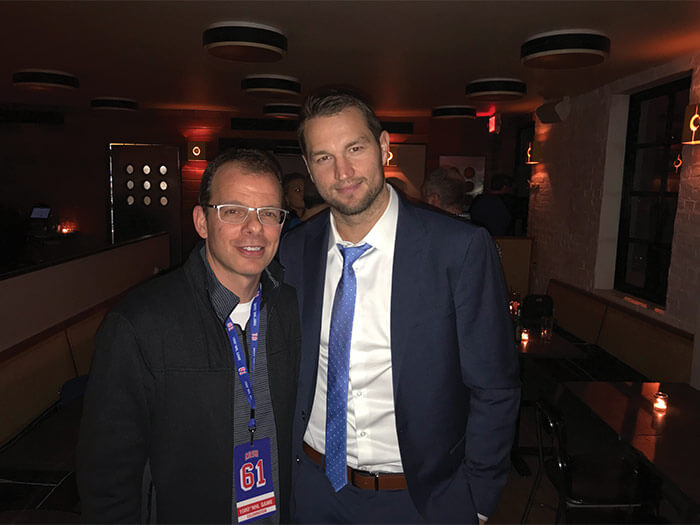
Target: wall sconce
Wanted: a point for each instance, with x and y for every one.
(196, 151)
(691, 125)
(533, 154)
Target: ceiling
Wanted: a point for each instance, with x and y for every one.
(406, 56)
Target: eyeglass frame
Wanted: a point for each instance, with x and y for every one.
(218, 207)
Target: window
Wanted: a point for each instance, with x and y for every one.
(650, 190)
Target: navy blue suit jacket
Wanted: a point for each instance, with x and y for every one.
(454, 363)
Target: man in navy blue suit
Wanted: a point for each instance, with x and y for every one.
(408, 385)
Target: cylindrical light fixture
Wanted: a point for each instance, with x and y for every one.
(454, 112)
(496, 89)
(271, 85)
(565, 49)
(245, 42)
(44, 79)
(114, 103)
(282, 110)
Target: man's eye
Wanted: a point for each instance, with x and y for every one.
(355, 149)
(270, 213)
(232, 212)
(322, 158)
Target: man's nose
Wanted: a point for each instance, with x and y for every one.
(343, 168)
(252, 222)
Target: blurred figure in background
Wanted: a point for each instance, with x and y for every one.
(496, 210)
(293, 189)
(446, 189)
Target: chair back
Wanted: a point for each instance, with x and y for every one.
(552, 429)
(537, 306)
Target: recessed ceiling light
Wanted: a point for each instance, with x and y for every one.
(565, 49)
(245, 42)
(271, 85)
(454, 112)
(44, 79)
(282, 110)
(496, 89)
(114, 103)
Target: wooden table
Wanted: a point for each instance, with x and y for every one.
(668, 441)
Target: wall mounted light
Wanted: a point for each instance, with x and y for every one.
(533, 154)
(197, 150)
(691, 125)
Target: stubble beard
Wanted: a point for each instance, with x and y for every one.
(365, 203)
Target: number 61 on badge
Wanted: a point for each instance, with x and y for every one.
(255, 496)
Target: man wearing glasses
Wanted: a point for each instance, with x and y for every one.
(188, 411)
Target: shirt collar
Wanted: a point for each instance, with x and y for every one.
(222, 299)
(381, 235)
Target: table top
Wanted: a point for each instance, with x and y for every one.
(668, 440)
(555, 348)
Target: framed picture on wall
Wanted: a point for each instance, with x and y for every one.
(471, 167)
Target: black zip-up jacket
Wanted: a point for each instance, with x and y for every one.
(161, 391)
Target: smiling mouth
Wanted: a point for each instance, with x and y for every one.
(348, 188)
(251, 250)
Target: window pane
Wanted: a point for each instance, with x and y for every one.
(636, 264)
(650, 164)
(643, 216)
(652, 119)
(679, 103)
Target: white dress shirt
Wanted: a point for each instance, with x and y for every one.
(372, 441)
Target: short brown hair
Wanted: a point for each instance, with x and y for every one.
(330, 102)
(253, 160)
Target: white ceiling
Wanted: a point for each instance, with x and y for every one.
(408, 56)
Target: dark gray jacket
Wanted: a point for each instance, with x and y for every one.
(161, 390)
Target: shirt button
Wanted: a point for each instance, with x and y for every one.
(363, 433)
(358, 393)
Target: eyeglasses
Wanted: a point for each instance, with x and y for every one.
(237, 214)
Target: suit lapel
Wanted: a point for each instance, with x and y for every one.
(408, 283)
(315, 256)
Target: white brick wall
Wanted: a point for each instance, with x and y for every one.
(565, 208)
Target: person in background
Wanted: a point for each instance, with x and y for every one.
(496, 211)
(408, 383)
(293, 187)
(192, 386)
(445, 188)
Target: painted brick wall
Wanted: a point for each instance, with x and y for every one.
(565, 205)
(566, 193)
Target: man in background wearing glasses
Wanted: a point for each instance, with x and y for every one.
(188, 411)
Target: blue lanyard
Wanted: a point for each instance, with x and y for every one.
(239, 358)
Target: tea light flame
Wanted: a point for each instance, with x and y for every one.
(660, 402)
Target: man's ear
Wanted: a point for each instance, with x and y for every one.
(199, 217)
(433, 199)
(306, 163)
(384, 146)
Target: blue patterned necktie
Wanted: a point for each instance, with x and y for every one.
(339, 366)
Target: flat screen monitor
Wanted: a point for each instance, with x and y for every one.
(40, 212)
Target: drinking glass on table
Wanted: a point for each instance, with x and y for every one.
(546, 327)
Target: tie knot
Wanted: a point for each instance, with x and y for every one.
(352, 253)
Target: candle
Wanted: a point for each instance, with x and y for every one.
(660, 402)
(524, 337)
